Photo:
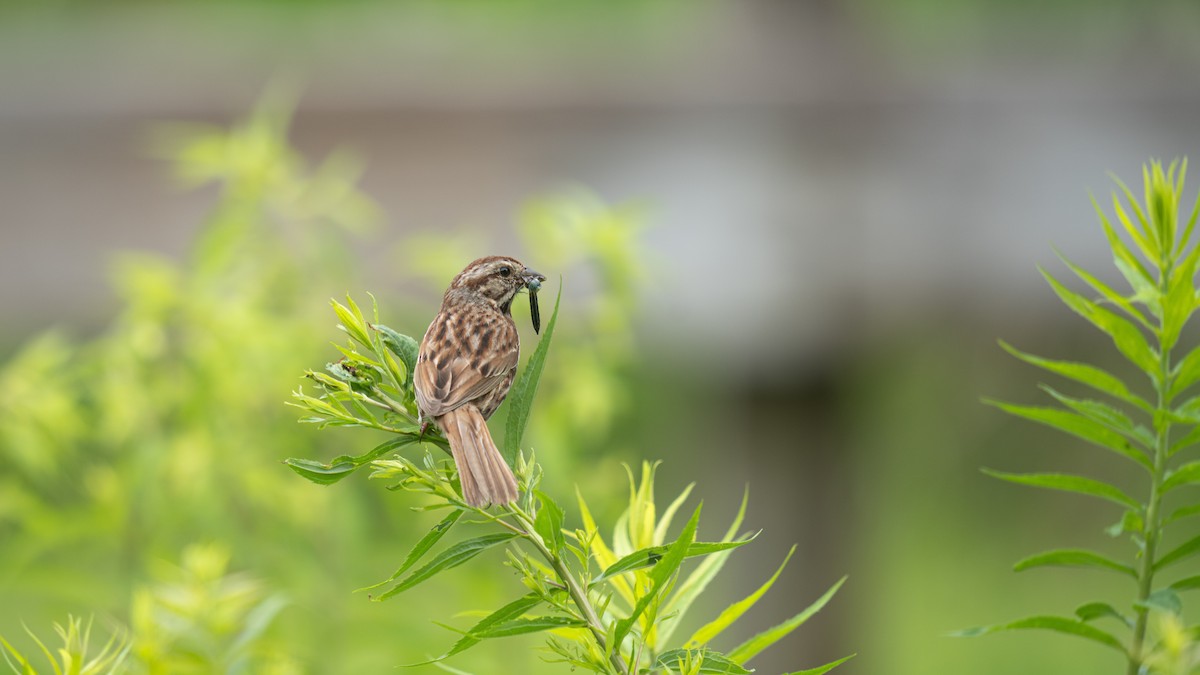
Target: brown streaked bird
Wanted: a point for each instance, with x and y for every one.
(465, 366)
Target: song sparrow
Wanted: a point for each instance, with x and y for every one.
(465, 366)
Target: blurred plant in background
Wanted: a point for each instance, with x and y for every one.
(1151, 425)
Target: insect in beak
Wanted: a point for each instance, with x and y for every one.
(533, 282)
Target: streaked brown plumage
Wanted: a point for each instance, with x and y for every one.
(465, 367)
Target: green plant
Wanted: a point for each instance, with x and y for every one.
(1149, 423)
(75, 655)
(608, 607)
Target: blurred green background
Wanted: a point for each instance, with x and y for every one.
(789, 234)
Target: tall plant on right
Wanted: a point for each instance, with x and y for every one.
(1152, 422)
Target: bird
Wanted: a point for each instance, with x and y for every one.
(465, 366)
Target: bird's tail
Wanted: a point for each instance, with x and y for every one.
(485, 478)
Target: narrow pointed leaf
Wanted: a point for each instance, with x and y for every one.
(1083, 373)
(1185, 550)
(733, 612)
(549, 523)
(1185, 475)
(1054, 623)
(1105, 415)
(433, 536)
(648, 557)
(1068, 483)
(1184, 442)
(1188, 584)
(520, 397)
(1072, 557)
(402, 346)
(750, 648)
(1182, 512)
(1128, 339)
(1186, 373)
(659, 577)
(1108, 293)
(530, 625)
(821, 670)
(664, 522)
(472, 637)
(1078, 425)
(342, 466)
(1099, 610)
(448, 559)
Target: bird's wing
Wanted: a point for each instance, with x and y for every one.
(471, 369)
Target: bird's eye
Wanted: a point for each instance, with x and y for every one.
(505, 271)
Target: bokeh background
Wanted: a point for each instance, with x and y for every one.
(789, 234)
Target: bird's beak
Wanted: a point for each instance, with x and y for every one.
(532, 276)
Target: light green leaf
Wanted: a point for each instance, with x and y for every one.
(1108, 293)
(1182, 512)
(448, 559)
(1128, 339)
(664, 568)
(1105, 415)
(401, 345)
(1072, 557)
(1055, 623)
(549, 523)
(520, 397)
(1189, 439)
(1078, 425)
(1083, 373)
(1068, 483)
(1186, 372)
(433, 536)
(1187, 584)
(660, 531)
(1185, 475)
(821, 670)
(1185, 550)
(750, 648)
(733, 612)
(352, 321)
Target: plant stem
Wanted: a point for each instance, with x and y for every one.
(576, 591)
(1162, 429)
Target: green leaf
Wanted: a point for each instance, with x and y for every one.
(821, 670)
(660, 531)
(344, 465)
(1187, 584)
(1108, 293)
(530, 625)
(1178, 307)
(1128, 339)
(1189, 439)
(1083, 373)
(710, 661)
(1099, 610)
(448, 559)
(520, 397)
(1129, 265)
(1186, 372)
(750, 648)
(1068, 483)
(1185, 550)
(1185, 475)
(1162, 600)
(1073, 557)
(652, 555)
(1055, 623)
(549, 523)
(1131, 521)
(352, 321)
(433, 536)
(694, 584)
(473, 637)
(1182, 512)
(402, 346)
(1078, 425)
(733, 612)
(664, 568)
(1106, 416)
